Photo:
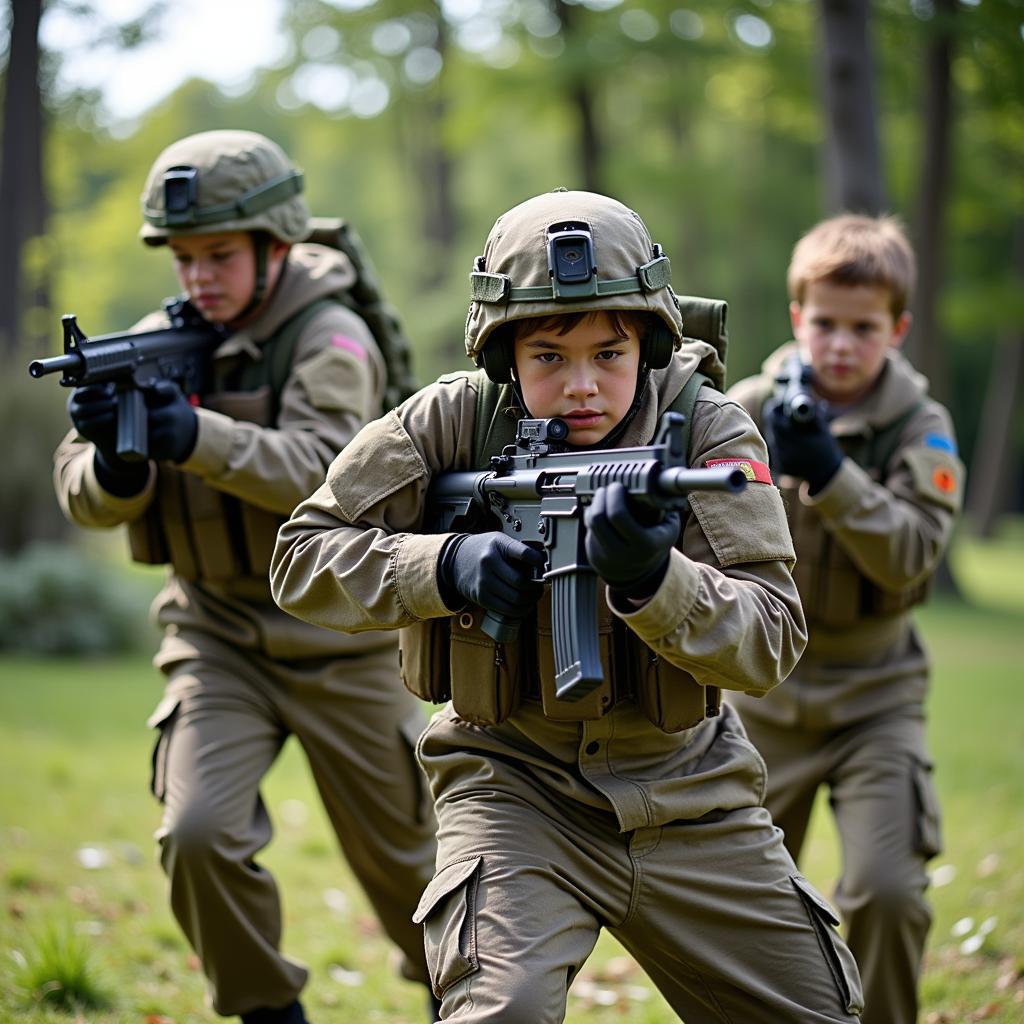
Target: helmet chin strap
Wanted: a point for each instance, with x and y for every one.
(261, 250)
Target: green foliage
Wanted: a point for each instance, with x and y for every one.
(55, 600)
(56, 969)
(32, 420)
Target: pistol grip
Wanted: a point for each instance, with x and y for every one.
(500, 628)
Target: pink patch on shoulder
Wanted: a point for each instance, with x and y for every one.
(340, 341)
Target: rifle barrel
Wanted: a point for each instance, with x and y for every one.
(679, 480)
(69, 361)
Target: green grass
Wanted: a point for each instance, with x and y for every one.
(83, 916)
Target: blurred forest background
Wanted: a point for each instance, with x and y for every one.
(730, 127)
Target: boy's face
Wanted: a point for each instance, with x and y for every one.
(844, 333)
(219, 271)
(587, 376)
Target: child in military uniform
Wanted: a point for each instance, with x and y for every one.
(869, 467)
(241, 675)
(637, 809)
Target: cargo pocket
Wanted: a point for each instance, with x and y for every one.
(838, 957)
(163, 719)
(447, 911)
(928, 831)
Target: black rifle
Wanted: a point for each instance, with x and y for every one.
(793, 390)
(536, 491)
(181, 352)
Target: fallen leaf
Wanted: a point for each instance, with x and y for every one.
(350, 979)
(985, 1012)
(988, 865)
(617, 969)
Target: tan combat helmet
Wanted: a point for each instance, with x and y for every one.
(223, 181)
(569, 252)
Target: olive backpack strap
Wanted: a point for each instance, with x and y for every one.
(278, 353)
(685, 401)
(881, 446)
(494, 428)
(365, 297)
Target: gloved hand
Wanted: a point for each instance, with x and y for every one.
(805, 450)
(628, 545)
(93, 412)
(173, 424)
(490, 570)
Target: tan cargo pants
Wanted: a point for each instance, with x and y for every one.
(713, 909)
(886, 812)
(222, 723)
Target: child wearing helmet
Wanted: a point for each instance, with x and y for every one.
(296, 376)
(637, 809)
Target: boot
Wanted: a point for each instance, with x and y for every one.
(290, 1014)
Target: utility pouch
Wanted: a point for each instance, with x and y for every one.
(597, 702)
(485, 676)
(668, 696)
(424, 659)
(204, 533)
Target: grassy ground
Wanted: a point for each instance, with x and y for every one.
(82, 898)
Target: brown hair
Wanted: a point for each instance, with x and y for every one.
(853, 249)
(563, 323)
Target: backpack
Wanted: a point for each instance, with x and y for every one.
(364, 298)
(703, 320)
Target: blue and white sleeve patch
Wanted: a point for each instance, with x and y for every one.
(943, 442)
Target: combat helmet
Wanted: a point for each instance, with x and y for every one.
(223, 181)
(568, 252)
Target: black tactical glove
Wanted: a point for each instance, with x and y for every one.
(93, 412)
(806, 450)
(490, 570)
(173, 424)
(627, 544)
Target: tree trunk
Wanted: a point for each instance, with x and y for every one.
(22, 197)
(853, 167)
(996, 461)
(440, 219)
(926, 348)
(924, 345)
(590, 149)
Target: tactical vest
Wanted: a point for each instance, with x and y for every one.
(833, 590)
(206, 534)
(452, 658)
